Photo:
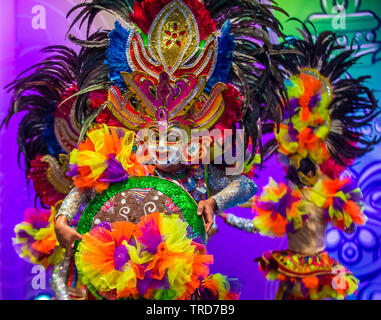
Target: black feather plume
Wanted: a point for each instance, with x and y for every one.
(353, 104)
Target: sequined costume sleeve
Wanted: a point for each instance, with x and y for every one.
(243, 224)
(74, 202)
(229, 191)
(58, 280)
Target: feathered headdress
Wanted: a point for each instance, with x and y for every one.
(51, 127)
(321, 131)
(189, 63)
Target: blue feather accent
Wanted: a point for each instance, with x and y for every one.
(116, 54)
(49, 136)
(226, 46)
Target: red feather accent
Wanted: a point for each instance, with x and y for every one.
(146, 12)
(106, 117)
(66, 107)
(97, 98)
(44, 190)
(332, 169)
(233, 108)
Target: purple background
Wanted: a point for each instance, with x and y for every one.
(234, 251)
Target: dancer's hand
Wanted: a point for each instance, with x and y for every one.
(206, 209)
(66, 235)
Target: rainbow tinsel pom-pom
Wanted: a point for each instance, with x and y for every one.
(342, 202)
(279, 209)
(36, 240)
(105, 156)
(154, 259)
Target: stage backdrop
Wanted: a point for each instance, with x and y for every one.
(26, 26)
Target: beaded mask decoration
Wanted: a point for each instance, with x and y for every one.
(167, 67)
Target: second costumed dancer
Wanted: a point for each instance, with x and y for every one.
(318, 139)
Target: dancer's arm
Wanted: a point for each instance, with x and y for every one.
(72, 204)
(229, 191)
(243, 224)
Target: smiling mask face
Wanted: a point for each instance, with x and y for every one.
(164, 145)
